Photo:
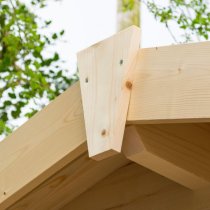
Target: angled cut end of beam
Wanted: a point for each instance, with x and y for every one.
(140, 150)
(106, 76)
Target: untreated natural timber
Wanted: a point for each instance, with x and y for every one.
(106, 75)
(133, 187)
(172, 84)
(51, 139)
(180, 152)
(71, 181)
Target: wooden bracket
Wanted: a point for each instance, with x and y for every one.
(171, 150)
(106, 76)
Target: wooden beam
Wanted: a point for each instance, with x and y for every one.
(171, 85)
(180, 152)
(46, 143)
(106, 76)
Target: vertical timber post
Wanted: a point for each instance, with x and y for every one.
(106, 77)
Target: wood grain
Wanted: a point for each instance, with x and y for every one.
(74, 179)
(106, 76)
(133, 187)
(50, 140)
(171, 85)
(180, 152)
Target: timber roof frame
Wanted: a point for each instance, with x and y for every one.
(170, 95)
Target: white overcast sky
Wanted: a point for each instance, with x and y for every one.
(87, 22)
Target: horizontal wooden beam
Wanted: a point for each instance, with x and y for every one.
(46, 143)
(180, 152)
(172, 84)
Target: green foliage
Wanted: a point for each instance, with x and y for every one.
(128, 13)
(27, 75)
(193, 16)
(128, 5)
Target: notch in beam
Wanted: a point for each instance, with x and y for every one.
(106, 72)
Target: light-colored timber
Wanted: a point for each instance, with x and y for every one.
(130, 186)
(51, 139)
(180, 152)
(71, 181)
(133, 187)
(44, 164)
(172, 84)
(106, 75)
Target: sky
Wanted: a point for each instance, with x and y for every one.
(88, 22)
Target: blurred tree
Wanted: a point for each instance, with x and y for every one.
(128, 13)
(192, 16)
(28, 74)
